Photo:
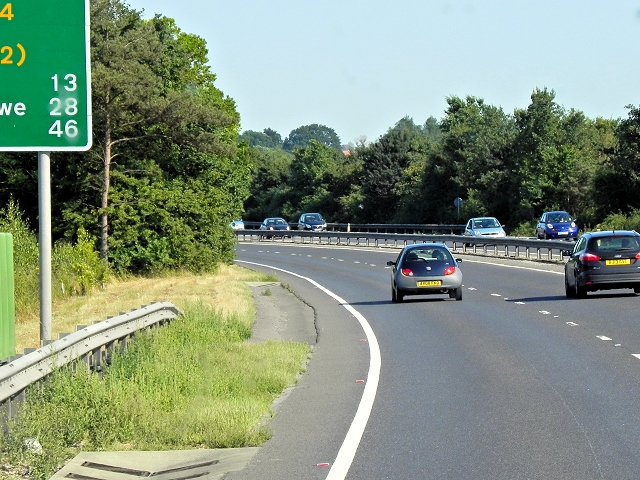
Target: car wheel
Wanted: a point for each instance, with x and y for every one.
(545, 236)
(394, 298)
(399, 295)
(581, 292)
(569, 292)
(456, 293)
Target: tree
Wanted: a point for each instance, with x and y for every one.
(556, 156)
(268, 138)
(269, 176)
(152, 89)
(619, 178)
(383, 166)
(302, 136)
(476, 143)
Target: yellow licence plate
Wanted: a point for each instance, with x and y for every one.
(430, 283)
(618, 261)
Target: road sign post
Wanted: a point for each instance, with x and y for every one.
(45, 92)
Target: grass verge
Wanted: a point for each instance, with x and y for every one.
(193, 384)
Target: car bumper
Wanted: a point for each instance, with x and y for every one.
(600, 280)
(563, 235)
(409, 285)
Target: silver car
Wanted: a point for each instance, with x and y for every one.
(425, 269)
(484, 227)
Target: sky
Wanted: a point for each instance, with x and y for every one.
(360, 66)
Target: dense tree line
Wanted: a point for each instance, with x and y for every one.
(513, 166)
(169, 169)
(165, 175)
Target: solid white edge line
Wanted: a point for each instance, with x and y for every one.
(347, 451)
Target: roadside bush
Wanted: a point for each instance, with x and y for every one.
(25, 258)
(525, 229)
(78, 268)
(75, 268)
(619, 221)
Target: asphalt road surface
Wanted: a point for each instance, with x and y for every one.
(513, 382)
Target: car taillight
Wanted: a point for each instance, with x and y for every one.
(638, 256)
(589, 257)
(407, 272)
(449, 270)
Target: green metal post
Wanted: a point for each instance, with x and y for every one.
(7, 300)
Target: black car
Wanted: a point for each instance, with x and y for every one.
(603, 261)
(312, 221)
(273, 224)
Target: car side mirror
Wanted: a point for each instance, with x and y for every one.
(566, 253)
(391, 263)
(458, 260)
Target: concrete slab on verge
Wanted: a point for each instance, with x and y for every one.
(170, 465)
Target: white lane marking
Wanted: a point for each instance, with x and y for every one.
(356, 261)
(496, 295)
(544, 312)
(602, 337)
(347, 451)
(637, 355)
(515, 266)
(471, 288)
(571, 324)
(519, 303)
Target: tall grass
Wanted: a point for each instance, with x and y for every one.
(193, 384)
(76, 268)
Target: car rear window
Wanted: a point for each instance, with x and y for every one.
(431, 254)
(612, 244)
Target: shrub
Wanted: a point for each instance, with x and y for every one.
(75, 268)
(619, 221)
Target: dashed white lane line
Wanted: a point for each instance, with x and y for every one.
(543, 312)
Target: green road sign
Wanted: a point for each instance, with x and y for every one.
(45, 79)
